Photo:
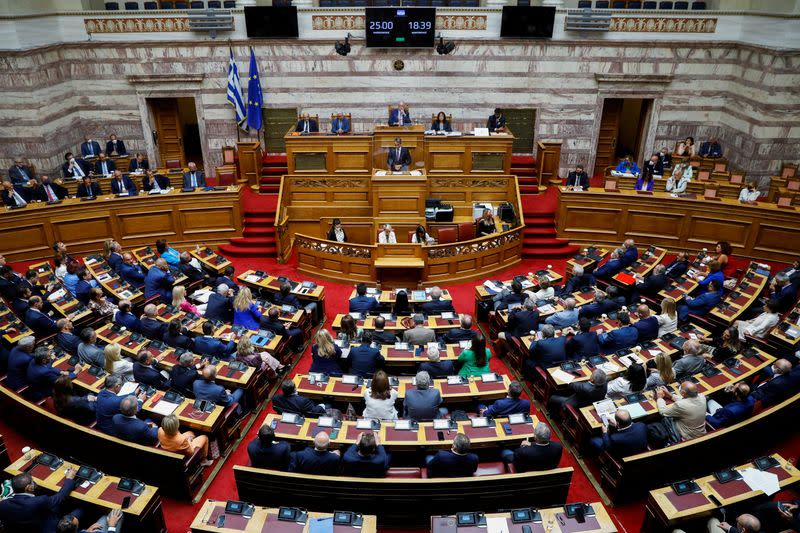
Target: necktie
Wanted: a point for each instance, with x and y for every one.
(24, 174)
(122, 189)
(50, 196)
(398, 156)
(91, 149)
(20, 201)
(104, 167)
(156, 186)
(194, 181)
(77, 170)
(305, 126)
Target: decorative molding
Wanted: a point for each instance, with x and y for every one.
(332, 248)
(356, 22)
(167, 78)
(329, 183)
(663, 25)
(137, 25)
(467, 183)
(437, 252)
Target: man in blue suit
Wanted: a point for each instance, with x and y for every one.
(622, 338)
(436, 305)
(150, 326)
(65, 339)
(455, 462)
(220, 304)
(125, 318)
(291, 402)
(596, 308)
(400, 116)
(227, 279)
(19, 173)
(18, 360)
(782, 292)
(316, 460)
(737, 410)
(115, 146)
(677, 267)
(435, 367)
(123, 184)
(365, 458)
(629, 253)
(512, 404)
(423, 402)
(265, 452)
(576, 281)
(770, 392)
(584, 343)
(546, 352)
(108, 403)
(194, 178)
(104, 166)
(90, 147)
(15, 195)
(153, 182)
(41, 324)
(610, 268)
(651, 285)
(364, 360)
(270, 321)
(399, 158)
(42, 376)
(159, 281)
(138, 163)
(647, 325)
(626, 439)
(206, 344)
(74, 167)
(84, 286)
(462, 333)
(702, 304)
(145, 372)
(340, 125)
(128, 427)
(362, 303)
(25, 511)
(131, 272)
(306, 124)
(184, 374)
(206, 389)
(567, 317)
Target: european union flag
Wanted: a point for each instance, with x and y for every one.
(255, 100)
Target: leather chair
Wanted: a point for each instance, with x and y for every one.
(226, 177)
(466, 231)
(446, 235)
(132, 6)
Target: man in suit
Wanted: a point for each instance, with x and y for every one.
(624, 438)
(123, 185)
(145, 371)
(771, 392)
(578, 178)
(702, 304)
(379, 335)
(88, 188)
(622, 338)
(733, 412)
(10, 282)
(629, 253)
(688, 410)
(227, 279)
(400, 116)
(399, 158)
(207, 389)
(710, 148)
(316, 460)
(653, 167)
(128, 427)
(647, 325)
(209, 346)
(194, 178)
(418, 335)
(291, 402)
(270, 321)
(131, 272)
(341, 124)
(124, 317)
(463, 332)
(651, 285)
(541, 454)
(153, 182)
(104, 166)
(584, 343)
(19, 173)
(184, 374)
(41, 375)
(423, 402)
(84, 286)
(24, 511)
(220, 304)
(579, 279)
(596, 308)
(366, 458)
(159, 281)
(74, 167)
(506, 298)
(115, 146)
(363, 360)
(109, 403)
(546, 352)
(455, 462)
(435, 367)
(111, 523)
(496, 122)
(610, 268)
(14, 195)
(436, 306)
(20, 301)
(41, 324)
(265, 452)
(665, 157)
(362, 303)
(567, 317)
(90, 147)
(88, 350)
(306, 124)
(138, 163)
(782, 292)
(580, 393)
(190, 270)
(47, 191)
(510, 405)
(18, 360)
(65, 339)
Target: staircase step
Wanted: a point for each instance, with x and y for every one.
(265, 232)
(523, 160)
(548, 251)
(544, 241)
(234, 251)
(539, 232)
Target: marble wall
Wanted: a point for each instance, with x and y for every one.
(744, 94)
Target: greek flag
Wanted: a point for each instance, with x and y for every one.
(235, 94)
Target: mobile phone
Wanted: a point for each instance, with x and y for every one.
(507, 428)
(126, 502)
(274, 424)
(440, 435)
(526, 529)
(220, 520)
(334, 433)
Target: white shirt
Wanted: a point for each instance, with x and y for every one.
(382, 409)
(747, 196)
(428, 238)
(542, 294)
(679, 186)
(666, 324)
(758, 326)
(383, 240)
(124, 368)
(339, 234)
(617, 388)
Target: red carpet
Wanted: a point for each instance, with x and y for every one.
(258, 235)
(539, 239)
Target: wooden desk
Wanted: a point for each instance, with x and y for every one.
(530, 283)
(468, 154)
(554, 519)
(188, 416)
(762, 230)
(147, 257)
(129, 347)
(273, 284)
(644, 265)
(210, 217)
(589, 257)
(263, 519)
(111, 282)
(412, 137)
(13, 328)
(436, 323)
(742, 297)
(143, 514)
(328, 154)
(210, 259)
(389, 296)
(84, 380)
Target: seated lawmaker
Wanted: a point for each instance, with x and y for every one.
(46, 190)
(41, 376)
(88, 350)
(340, 125)
(651, 285)
(78, 408)
(104, 166)
(115, 146)
(463, 332)
(421, 236)
(20, 174)
(510, 405)
(627, 166)
(633, 380)
(123, 184)
(365, 458)
(545, 352)
(65, 339)
(400, 116)
(750, 194)
(289, 401)
(23, 510)
(440, 123)
(665, 157)
(152, 327)
(88, 188)
(733, 412)
(486, 225)
(584, 343)
(306, 124)
(761, 325)
(206, 344)
(17, 364)
(455, 462)
(146, 372)
(379, 335)
(325, 355)
(124, 317)
(265, 452)
(702, 304)
(15, 196)
(227, 278)
(423, 402)
(688, 410)
(541, 454)
(337, 233)
(155, 182)
(364, 360)
(159, 282)
(567, 317)
(622, 338)
(41, 323)
(496, 123)
(621, 436)
(781, 384)
(578, 280)
(629, 252)
(387, 236)
(399, 158)
(139, 163)
(90, 147)
(190, 267)
(647, 325)
(710, 148)
(680, 178)
(505, 298)
(436, 305)
(74, 167)
(317, 460)
(678, 266)
(207, 389)
(176, 335)
(580, 393)
(172, 440)
(271, 322)
(193, 178)
(245, 310)
(521, 321)
(578, 179)
(131, 271)
(220, 304)
(128, 427)
(782, 292)
(184, 374)
(610, 268)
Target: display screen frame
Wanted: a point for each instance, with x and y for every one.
(399, 35)
(514, 16)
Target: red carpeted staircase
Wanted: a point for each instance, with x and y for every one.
(524, 167)
(273, 166)
(258, 236)
(539, 238)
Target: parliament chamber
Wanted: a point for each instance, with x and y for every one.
(400, 265)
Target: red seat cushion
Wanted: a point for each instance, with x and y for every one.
(400, 472)
(466, 231)
(491, 469)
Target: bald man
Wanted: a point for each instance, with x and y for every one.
(131, 272)
(778, 387)
(745, 523)
(207, 389)
(317, 460)
(159, 281)
(688, 412)
(647, 325)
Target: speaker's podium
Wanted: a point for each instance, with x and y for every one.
(400, 265)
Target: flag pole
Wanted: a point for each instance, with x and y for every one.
(238, 135)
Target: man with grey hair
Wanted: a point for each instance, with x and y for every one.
(316, 460)
(386, 235)
(423, 403)
(436, 306)
(220, 304)
(109, 401)
(546, 352)
(629, 253)
(521, 322)
(610, 268)
(578, 280)
(435, 367)
(159, 281)
(580, 393)
(18, 360)
(463, 332)
(510, 405)
(88, 351)
(152, 327)
(688, 412)
(455, 462)
(563, 319)
(190, 267)
(418, 334)
(541, 454)
(782, 292)
(128, 427)
(691, 362)
(184, 374)
(651, 285)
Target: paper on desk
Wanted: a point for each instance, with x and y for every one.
(320, 525)
(610, 367)
(560, 375)
(635, 409)
(60, 293)
(252, 278)
(492, 286)
(496, 524)
(767, 482)
(128, 388)
(164, 408)
(547, 308)
(201, 296)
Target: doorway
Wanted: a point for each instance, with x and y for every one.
(623, 126)
(176, 132)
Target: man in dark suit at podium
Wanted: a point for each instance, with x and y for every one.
(578, 178)
(194, 178)
(496, 122)
(306, 124)
(399, 157)
(400, 115)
